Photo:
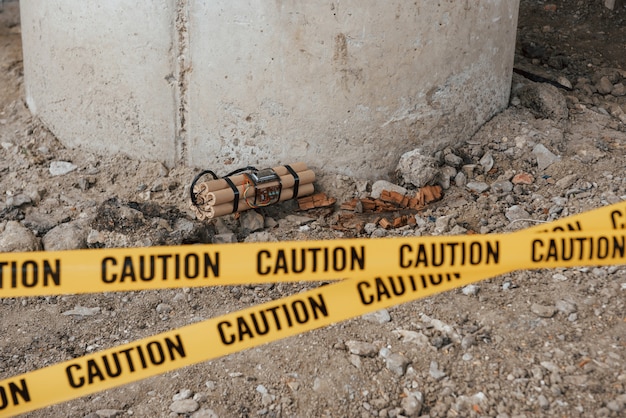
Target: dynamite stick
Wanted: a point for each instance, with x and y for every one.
(240, 179)
(249, 188)
(227, 208)
(226, 195)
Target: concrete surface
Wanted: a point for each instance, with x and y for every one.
(345, 86)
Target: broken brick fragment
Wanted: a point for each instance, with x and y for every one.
(319, 200)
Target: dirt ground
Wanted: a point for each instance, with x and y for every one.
(524, 344)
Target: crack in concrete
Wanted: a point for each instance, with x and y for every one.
(183, 68)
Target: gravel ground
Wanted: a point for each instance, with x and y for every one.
(524, 344)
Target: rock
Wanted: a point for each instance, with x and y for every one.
(251, 221)
(619, 90)
(381, 185)
(164, 308)
(543, 311)
(567, 181)
(184, 406)
(18, 200)
(470, 290)
(460, 179)
(416, 169)
(544, 100)
(412, 337)
(412, 403)
(17, 238)
(523, 178)
(445, 175)
(477, 186)
(434, 371)
(566, 307)
(378, 317)
(361, 348)
(67, 236)
(564, 82)
(299, 219)
(545, 158)
(204, 413)
(396, 363)
(453, 160)
(486, 162)
(468, 341)
(543, 402)
(59, 168)
(226, 238)
(516, 213)
(82, 311)
(261, 236)
(501, 187)
(604, 86)
(109, 413)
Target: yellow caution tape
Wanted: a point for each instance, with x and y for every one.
(131, 269)
(398, 270)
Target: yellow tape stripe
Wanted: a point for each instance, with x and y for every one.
(297, 314)
(131, 269)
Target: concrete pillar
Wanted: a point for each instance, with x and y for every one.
(347, 86)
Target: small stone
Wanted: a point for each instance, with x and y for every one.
(379, 317)
(251, 221)
(470, 290)
(486, 162)
(477, 186)
(397, 363)
(414, 337)
(434, 371)
(559, 277)
(226, 238)
(380, 185)
(164, 308)
(615, 406)
(468, 341)
(299, 219)
(545, 158)
(619, 90)
(109, 413)
(566, 307)
(567, 181)
(204, 413)
(416, 169)
(550, 366)
(543, 311)
(82, 311)
(543, 402)
(515, 213)
(412, 403)
(453, 160)
(182, 394)
(501, 187)
(17, 238)
(544, 100)
(66, 236)
(185, 406)
(59, 168)
(564, 82)
(18, 200)
(604, 86)
(523, 178)
(460, 179)
(361, 348)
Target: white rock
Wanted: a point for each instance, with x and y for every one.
(381, 185)
(59, 168)
(82, 311)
